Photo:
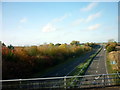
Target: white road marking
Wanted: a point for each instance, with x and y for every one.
(96, 77)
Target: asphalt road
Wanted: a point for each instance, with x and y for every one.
(66, 68)
(98, 66)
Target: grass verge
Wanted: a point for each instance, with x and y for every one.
(109, 66)
(110, 70)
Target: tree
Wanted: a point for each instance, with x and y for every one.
(110, 48)
(75, 43)
(51, 44)
(10, 47)
(3, 44)
(63, 46)
(58, 44)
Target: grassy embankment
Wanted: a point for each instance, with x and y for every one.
(112, 68)
(112, 61)
(109, 65)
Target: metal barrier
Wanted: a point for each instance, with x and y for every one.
(86, 81)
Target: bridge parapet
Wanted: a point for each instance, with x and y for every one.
(86, 81)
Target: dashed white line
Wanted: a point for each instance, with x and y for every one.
(106, 68)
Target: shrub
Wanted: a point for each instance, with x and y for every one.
(29, 60)
(111, 46)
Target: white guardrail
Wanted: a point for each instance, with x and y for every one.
(86, 81)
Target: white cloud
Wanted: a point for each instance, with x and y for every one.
(93, 16)
(94, 27)
(77, 22)
(48, 28)
(61, 18)
(88, 19)
(23, 20)
(89, 7)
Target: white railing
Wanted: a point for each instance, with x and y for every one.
(86, 81)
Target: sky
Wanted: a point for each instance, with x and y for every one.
(35, 23)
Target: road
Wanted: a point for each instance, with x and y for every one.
(66, 68)
(98, 66)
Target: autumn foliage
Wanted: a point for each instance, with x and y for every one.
(23, 62)
(111, 46)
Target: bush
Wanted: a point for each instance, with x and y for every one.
(29, 60)
(111, 46)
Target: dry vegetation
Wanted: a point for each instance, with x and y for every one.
(23, 62)
(114, 56)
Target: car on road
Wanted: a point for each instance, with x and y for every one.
(104, 49)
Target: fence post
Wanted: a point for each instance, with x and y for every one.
(104, 80)
(65, 82)
(20, 83)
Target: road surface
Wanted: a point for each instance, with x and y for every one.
(98, 66)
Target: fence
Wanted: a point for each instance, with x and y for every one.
(86, 81)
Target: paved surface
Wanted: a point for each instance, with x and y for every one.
(65, 69)
(98, 66)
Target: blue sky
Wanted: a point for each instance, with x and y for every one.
(34, 23)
